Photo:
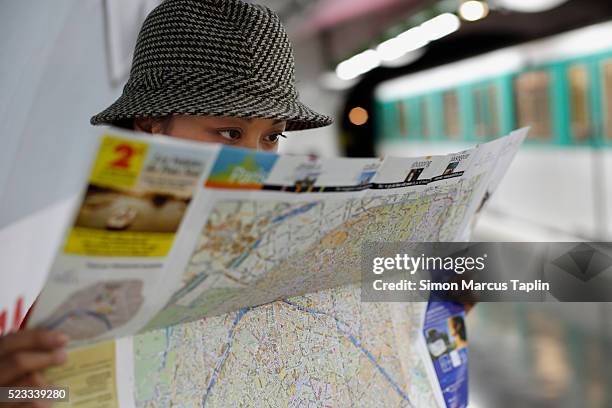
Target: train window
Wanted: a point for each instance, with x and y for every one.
(452, 120)
(486, 108)
(402, 118)
(578, 78)
(607, 89)
(425, 118)
(385, 121)
(533, 103)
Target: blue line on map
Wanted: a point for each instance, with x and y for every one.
(192, 284)
(235, 263)
(238, 260)
(80, 312)
(219, 366)
(356, 343)
(294, 212)
(168, 333)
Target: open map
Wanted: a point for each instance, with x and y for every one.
(236, 279)
(322, 350)
(251, 252)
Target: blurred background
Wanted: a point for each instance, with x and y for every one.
(406, 77)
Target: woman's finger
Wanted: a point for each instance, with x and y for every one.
(33, 380)
(31, 340)
(17, 365)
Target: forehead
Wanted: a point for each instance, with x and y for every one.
(229, 121)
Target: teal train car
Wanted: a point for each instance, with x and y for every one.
(560, 185)
(560, 86)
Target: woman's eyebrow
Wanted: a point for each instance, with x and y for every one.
(249, 120)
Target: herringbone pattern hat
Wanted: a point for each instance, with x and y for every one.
(212, 58)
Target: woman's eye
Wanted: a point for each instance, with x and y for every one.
(231, 134)
(273, 138)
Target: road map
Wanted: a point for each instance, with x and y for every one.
(251, 252)
(326, 349)
(250, 295)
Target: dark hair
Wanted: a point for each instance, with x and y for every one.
(129, 122)
(124, 124)
(459, 326)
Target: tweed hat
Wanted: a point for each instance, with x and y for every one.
(212, 58)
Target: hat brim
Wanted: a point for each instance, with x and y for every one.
(169, 101)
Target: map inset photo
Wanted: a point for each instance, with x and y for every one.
(97, 309)
(114, 210)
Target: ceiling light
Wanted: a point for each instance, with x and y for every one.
(440, 26)
(404, 43)
(413, 39)
(358, 64)
(397, 47)
(530, 6)
(473, 10)
(390, 49)
(407, 58)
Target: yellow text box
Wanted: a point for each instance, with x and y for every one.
(118, 163)
(96, 242)
(89, 375)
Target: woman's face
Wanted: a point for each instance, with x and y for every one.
(252, 133)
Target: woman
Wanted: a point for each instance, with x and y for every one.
(218, 71)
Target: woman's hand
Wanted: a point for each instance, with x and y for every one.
(24, 355)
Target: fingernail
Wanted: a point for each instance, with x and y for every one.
(52, 339)
(61, 338)
(59, 356)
